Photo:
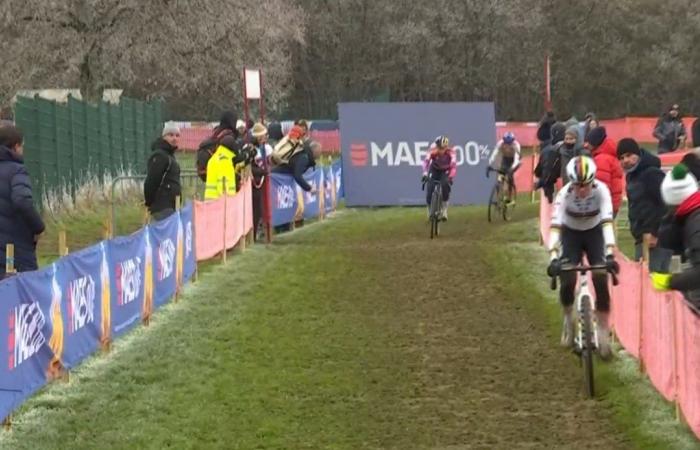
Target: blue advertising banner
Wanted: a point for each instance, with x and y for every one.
(312, 201)
(24, 351)
(163, 242)
(338, 177)
(190, 262)
(384, 145)
(128, 267)
(83, 278)
(285, 200)
(328, 189)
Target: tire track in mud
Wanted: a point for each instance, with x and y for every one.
(477, 369)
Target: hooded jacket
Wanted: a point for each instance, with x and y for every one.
(299, 163)
(609, 170)
(162, 184)
(19, 220)
(687, 220)
(646, 206)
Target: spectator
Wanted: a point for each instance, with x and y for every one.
(20, 223)
(589, 122)
(274, 132)
(696, 133)
(304, 127)
(300, 162)
(670, 131)
(260, 171)
(680, 191)
(692, 162)
(570, 148)
(604, 152)
(646, 207)
(226, 127)
(544, 129)
(240, 128)
(221, 168)
(162, 185)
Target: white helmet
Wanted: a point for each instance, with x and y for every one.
(581, 170)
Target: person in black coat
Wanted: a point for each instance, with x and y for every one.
(162, 185)
(20, 222)
(646, 207)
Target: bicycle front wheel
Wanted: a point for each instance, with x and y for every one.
(435, 204)
(508, 207)
(587, 350)
(493, 202)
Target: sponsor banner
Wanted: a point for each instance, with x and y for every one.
(312, 202)
(128, 276)
(328, 189)
(81, 305)
(164, 244)
(285, 199)
(384, 146)
(190, 262)
(25, 355)
(338, 177)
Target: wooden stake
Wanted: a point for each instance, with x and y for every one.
(223, 251)
(195, 276)
(10, 259)
(645, 247)
(62, 249)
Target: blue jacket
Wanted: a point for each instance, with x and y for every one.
(19, 220)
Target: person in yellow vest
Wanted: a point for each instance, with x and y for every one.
(221, 166)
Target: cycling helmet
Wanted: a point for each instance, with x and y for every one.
(442, 142)
(508, 138)
(581, 170)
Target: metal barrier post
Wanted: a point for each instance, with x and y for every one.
(10, 259)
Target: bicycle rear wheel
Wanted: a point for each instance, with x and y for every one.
(493, 202)
(587, 347)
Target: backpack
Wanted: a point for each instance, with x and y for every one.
(285, 149)
(207, 148)
(549, 166)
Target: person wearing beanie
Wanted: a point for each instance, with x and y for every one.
(570, 148)
(670, 130)
(646, 208)
(162, 185)
(604, 152)
(680, 190)
(549, 166)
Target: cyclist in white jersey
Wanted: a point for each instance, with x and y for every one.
(582, 223)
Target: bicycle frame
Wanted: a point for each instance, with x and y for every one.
(583, 296)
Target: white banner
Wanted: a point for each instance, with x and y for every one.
(253, 88)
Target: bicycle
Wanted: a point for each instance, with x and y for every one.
(586, 334)
(501, 197)
(436, 205)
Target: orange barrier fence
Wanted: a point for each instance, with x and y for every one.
(659, 329)
(229, 216)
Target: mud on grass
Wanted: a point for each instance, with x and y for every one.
(358, 333)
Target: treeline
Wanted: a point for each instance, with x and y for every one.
(615, 58)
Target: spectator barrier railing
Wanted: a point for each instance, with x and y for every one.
(661, 330)
(57, 316)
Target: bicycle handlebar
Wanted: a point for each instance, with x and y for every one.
(584, 269)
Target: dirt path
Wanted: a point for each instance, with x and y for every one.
(483, 373)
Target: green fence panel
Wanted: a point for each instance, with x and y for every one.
(130, 155)
(105, 139)
(139, 163)
(26, 118)
(92, 116)
(64, 151)
(47, 144)
(116, 128)
(81, 166)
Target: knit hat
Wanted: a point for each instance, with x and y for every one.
(596, 136)
(558, 132)
(678, 185)
(240, 124)
(572, 131)
(170, 128)
(627, 145)
(259, 130)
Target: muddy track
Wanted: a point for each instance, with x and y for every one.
(483, 373)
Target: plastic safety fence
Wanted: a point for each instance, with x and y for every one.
(660, 329)
(222, 222)
(290, 203)
(57, 316)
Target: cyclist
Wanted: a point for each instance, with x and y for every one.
(506, 158)
(440, 167)
(582, 222)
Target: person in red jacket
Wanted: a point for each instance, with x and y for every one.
(604, 152)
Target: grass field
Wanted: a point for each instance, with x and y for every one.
(358, 332)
